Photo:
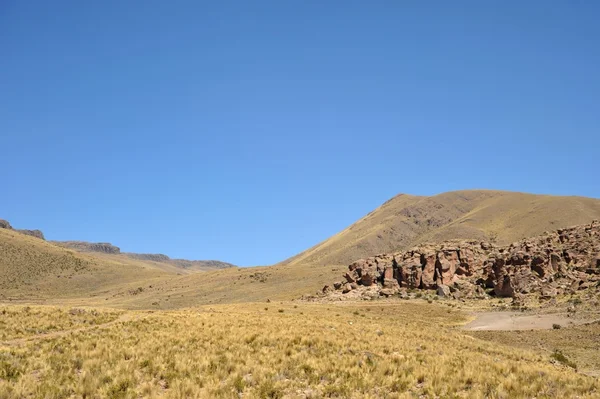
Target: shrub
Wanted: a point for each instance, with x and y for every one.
(562, 359)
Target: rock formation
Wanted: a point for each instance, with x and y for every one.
(183, 263)
(554, 263)
(4, 224)
(33, 233)
(83, 246)
(150, 257)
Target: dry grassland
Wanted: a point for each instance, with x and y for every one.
(279, 350)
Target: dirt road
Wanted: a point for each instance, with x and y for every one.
(507, 321)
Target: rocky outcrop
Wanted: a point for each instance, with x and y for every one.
(150, 257)
(107, 248)
(4, 224)
(83, 246)
(554, 263)
(201, 264)
(183, 263)
(33, 233)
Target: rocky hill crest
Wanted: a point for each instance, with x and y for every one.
(83, 246)
(563, 261)
(4, 224)
(184, 263)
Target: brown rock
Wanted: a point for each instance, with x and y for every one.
(389, 291)
(349, 278)
(5, 225)
(367, 279)
(409, 270)
(33, 233)
(429, 270)
(554, 263)
(388, 273)
(443, 291)
(446, 266)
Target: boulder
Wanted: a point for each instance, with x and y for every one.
(350, 278)
(5, 225)
(443, 291)
(368, 278)
(387, 292)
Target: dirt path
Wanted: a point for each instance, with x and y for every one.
(508, 321)
(54, 334)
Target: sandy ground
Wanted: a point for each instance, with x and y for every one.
(507, 321)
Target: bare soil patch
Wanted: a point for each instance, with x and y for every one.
(511, 321)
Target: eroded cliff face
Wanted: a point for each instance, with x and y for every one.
(83, 246)
(562, 261)
(4, 224)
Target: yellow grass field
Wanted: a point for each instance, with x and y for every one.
(409, 349)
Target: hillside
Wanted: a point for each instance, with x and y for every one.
(197, 265)
(406, 221)
(160, 259)
(565, 261)
(34, 269)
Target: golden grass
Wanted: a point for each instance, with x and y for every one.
(406, 220)
(580, 344)
(32, 269)
(277, 350)
(25, 321)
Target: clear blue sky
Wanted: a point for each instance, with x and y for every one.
(248, 131)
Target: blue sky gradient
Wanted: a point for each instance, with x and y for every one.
(249, 131)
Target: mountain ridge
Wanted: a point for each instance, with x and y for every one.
(108, 248)
(406, 220)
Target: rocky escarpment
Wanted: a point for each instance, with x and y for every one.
(201, 264)
(4, 224)
(83, 246)
(183, 263)
(563, 261)
(33, 233)
(150, 257)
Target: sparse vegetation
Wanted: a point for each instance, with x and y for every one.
(561, 358)
(226, 350)
(26, 321)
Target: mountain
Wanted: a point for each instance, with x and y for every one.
(98, 273)
(108, 248)
(34, 269)
(406, 220)
(202, 265)
(4, 224)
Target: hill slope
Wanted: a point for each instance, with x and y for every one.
(156, 259)
(32, 269)
(406, 220)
